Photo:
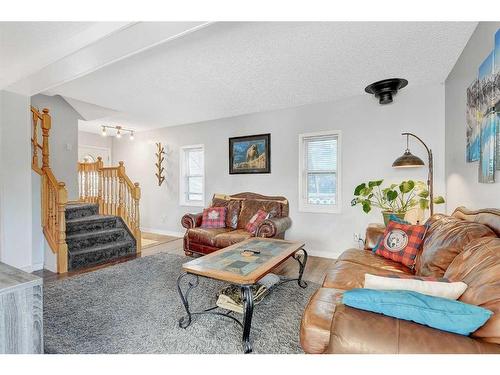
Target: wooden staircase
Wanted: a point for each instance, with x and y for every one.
(107, 198)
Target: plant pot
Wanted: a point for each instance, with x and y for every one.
(387, 214)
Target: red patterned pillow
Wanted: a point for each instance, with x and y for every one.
(401, 243)
(214, 217)
(256, 220)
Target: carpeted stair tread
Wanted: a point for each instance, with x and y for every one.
(102, 247)
(77, 210)
(90, 218)
(97, 237)
(97, 233)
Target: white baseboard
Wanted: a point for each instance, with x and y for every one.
(37, 267)
(164, 232)
(28, 268)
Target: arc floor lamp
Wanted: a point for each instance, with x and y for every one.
(408, 160)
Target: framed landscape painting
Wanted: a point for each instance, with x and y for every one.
(250, 154)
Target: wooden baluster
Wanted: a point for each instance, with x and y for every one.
(62, 252)
(137, 229)
(121, 191)
(34, 141)
(99, 184)
(46, 124)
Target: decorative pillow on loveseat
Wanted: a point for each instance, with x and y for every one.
(256, 220)
(435, 312)
(214, 217)
(401, 243)
(437, 287)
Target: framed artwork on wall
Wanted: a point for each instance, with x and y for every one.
(483, 116)
(250, 154)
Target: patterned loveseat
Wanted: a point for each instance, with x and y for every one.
(240, 209)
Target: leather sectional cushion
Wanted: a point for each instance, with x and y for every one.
(250, 207)
(317, 320)
(230, 238)
(347, 275)
(479, 267)
(368, 258)
(446, 238)
(357, 331)
(205, 236)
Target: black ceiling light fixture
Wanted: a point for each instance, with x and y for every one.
(385, 89)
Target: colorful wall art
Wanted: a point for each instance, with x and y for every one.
(483, 116)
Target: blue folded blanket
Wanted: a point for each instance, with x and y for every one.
(436, 312)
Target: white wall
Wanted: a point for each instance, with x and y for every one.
(371, 141)
(463, 188)
(94, 140)
(15, 181)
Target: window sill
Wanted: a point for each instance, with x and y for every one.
(192, 204)
(317, 209)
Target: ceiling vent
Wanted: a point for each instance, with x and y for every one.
(384, 90)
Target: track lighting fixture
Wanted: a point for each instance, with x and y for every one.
(119, 131)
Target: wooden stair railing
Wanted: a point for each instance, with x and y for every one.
(113, 191)
(54, 195)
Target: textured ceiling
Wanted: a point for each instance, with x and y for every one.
(233, 68)
(28, 46)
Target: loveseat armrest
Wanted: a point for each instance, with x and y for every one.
(189, 221)
(363, 332)
(274, 227)
(374, 232)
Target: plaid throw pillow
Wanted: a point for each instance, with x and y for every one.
(401, 243)
(256, 220)
(214, 217)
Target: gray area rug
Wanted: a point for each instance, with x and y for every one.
(133, 307)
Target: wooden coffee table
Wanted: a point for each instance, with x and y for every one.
(242, 264)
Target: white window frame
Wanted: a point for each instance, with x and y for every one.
(304, 205)
(183, 194)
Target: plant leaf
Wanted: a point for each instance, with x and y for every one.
(358, 189)
(424, 203)
(423, 194)
(391, 195)
(438, 200)
(367, 207)
(406, 186)
(375, 183)
(366, 191)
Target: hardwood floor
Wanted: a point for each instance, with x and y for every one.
(315, 271)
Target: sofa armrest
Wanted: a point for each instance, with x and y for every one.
(191, 220)
(274, 226)
(362, 332)
(374, 232)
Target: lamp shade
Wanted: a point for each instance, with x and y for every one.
(408, 160)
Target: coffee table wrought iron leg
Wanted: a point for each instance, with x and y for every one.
(185, 321)
(246, 293)
(302, 265)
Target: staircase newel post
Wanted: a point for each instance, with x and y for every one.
(137, 229)
(100, 165)
(46, 124)
(62, 246)
(121, 190)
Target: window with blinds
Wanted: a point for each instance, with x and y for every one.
(319, 172)
(192, 174)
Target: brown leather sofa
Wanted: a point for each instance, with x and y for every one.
(464, 246)
(240, 209)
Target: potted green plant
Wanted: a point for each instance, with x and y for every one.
(394, 199)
